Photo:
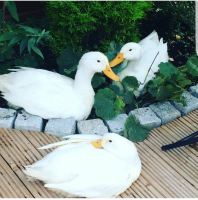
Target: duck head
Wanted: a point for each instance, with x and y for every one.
(97, 62)
(130, 51)
(117, 145)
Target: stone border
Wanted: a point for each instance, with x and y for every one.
(155, 115)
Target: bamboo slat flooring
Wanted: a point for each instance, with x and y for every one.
(170, 174)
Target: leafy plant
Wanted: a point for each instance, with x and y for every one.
(135, 131)
(19, 44)
(93, 23)
(177, 29)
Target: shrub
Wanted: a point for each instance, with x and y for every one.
(94, 23)
(175, 22)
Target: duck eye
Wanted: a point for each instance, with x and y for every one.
(98, 60)
(110, 140)
(130, 49)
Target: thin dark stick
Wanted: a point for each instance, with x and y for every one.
(151, 66)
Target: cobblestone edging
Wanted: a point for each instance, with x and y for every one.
(155, 115)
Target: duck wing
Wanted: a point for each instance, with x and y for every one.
(39, 92)
(78, 138)
(102, 175)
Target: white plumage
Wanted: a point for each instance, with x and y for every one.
(51, 95)
(140, 57)
(78, 168)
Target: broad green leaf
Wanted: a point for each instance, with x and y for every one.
(37, 50)
(134, 131)
(130, 81)
(31, 43)
(118, 88)
(118, 104)
(23, 44)
(6, 36)
(27, 60)
(184, 83)
(4, 67)
(192, 65)
(128, 97)
(104, 103)
(97, 80)
(167, 69)
(68, 60)
(164, 92)
(11, 6)
(16, 38)
(18, 62)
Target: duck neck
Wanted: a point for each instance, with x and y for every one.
(82, 81)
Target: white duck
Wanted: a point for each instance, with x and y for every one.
(51, 95)
(84, 167)
(140, 56)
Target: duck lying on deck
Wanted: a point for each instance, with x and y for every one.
(89, 166)
(140, 56)
(51, 95)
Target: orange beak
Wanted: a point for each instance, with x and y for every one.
(117, 60)
(97, 144)
(108, 72)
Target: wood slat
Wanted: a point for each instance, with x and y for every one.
(170, 174)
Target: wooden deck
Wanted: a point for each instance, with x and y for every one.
(164, 174)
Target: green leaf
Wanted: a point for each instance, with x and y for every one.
(104, 103)
(68, 60)
(27, 60)
(16, 38)
(4, 67)
(11, 6)
(97, 80)
(23, 44)
(37, 50)
(192, 65)
(164, 92)
(167, 69)
(184, 83)
(128, 97)
(118, 88)
(6, 36)
(118, 104)
(31, 43)
(131, 82)
(30, 30)
(134, 131)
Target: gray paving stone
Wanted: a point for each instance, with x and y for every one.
(191, 104)
(116, 125)
(26, 121)
(7, 118)
(93, 126)
(61, 127)
(146, 117)
(165, 111)
(194, 90)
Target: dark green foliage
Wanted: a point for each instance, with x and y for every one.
(11, 6)
(107, 104)
(16, 39)
(131, 82)
(97, 80)
(171, 82)
(135, 131)
(94, 23)
(175, 22)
